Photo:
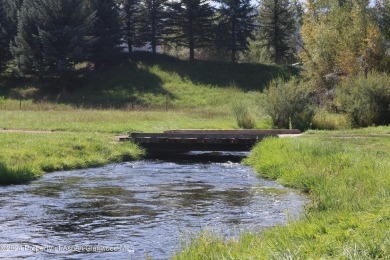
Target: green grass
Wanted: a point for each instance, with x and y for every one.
(132, 96)
(116, 121)
(26, 156)
(330, 121)
(348, 181)
(148, 81)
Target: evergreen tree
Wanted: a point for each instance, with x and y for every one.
(107, 32)
(8, 27)
(129, 10)
(276, 21)
(53, 36)
(152, 20)
(191, 24)
(3, 36)
(236, 26)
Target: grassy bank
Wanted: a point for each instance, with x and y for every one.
(117, 121)
(348, 181)
(132, 96)
(26, 156)
(148, 82)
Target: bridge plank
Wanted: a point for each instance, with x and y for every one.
(204, 140)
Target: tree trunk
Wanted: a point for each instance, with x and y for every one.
(233, 57)
(192, 53)
(154, 39)
(130, 45)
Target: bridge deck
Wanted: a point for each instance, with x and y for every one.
(203, 140)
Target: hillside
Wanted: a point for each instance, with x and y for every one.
(149, 81)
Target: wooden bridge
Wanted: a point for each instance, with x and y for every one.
(203, 140)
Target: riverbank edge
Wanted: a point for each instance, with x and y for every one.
(329, 227)
(348, 217)
(27, 156)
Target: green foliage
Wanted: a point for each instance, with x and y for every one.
(190, 24)
(107, 31)
(341, 39)
(8, 28)
(366, 99)
(130, 18)
(153, 27)
(257, 52)
(289, 104)
(383, 17)
(243, 115)
(52, 37)
(235, 26)
(277, 28)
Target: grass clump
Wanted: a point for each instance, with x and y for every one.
(325, 120)
(348, 181)
(25, 157)
(15, 175)
(243, 115)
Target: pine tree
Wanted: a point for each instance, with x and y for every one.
(53, 36)
(8, 27)
(276, 21)
(152, 22)
(191, 24)
(107, 32)
(129, 12)
(236, 26)
(3, 36)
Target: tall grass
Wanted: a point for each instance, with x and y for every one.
(325, 120)
(243, 115)
(348, 181)
(25, 157)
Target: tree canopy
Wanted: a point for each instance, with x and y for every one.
(53, 36)
(235, 26)
(276, 22)
(191, 24)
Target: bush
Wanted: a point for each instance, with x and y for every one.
(365, 99)
(289, 104)
(325, 120)
(243, 116)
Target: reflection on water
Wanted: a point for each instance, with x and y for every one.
(142, 208)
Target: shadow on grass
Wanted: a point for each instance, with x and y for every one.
(245, 76)
(17, 175)
(129, 84)
(117, 87)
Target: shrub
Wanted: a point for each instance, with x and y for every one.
(243, 116)
(289, 104)
(325, 120)
(365, 99)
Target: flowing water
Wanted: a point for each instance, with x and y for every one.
(138, 209)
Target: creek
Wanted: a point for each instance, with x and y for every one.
(137, 209)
